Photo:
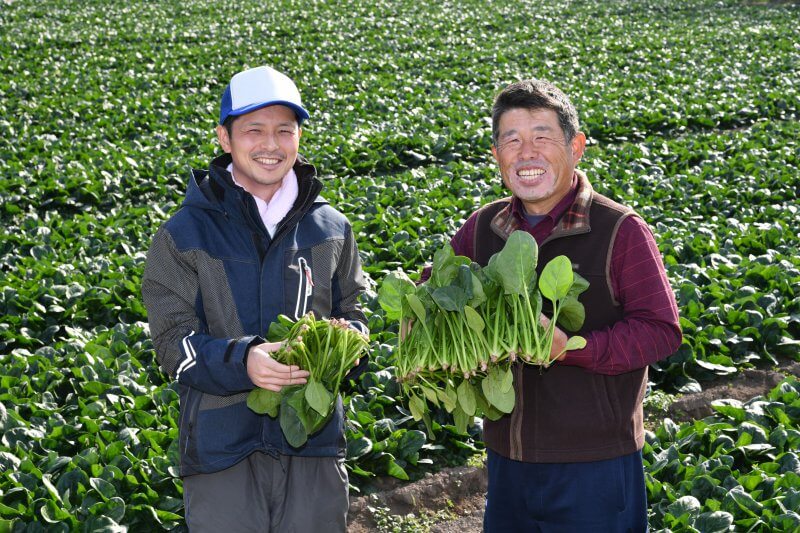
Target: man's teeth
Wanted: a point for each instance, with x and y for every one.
(530, 172)
(267, 160)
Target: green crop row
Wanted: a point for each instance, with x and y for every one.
(691, 109)
(737, 470)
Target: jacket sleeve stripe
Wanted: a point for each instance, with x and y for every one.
(359, 326)
(190, 357)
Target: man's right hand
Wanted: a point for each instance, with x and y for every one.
(267, 373)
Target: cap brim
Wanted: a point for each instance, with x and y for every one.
(301, 113)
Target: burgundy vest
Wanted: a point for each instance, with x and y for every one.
(564, 413)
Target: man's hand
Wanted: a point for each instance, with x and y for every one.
(559, 347)
(267, 373)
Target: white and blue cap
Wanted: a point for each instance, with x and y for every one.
(260, 87)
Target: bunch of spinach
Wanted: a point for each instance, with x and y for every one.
(328, 349)
(469, 324)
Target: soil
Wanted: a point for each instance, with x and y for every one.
(460, 492)
(745, 386)
(453, 499)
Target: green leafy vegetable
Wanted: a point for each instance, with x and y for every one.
(328, 349)
(470, 324)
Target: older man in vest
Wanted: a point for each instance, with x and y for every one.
(568, 458)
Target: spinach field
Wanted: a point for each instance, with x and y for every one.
(691, 109)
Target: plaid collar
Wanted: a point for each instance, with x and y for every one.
(573, 219)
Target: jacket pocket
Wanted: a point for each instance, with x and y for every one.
(190, 405)
(307, 278)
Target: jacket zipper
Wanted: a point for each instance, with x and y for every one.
(280, 232)
(193, 407)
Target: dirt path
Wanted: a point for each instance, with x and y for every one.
(458, 494)
(743, 387)
(457, 491)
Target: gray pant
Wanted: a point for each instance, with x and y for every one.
(266, 494)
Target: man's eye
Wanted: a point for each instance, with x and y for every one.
(549, 140)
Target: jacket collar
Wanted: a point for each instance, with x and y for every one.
(575, 219)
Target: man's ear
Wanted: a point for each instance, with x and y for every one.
(494, 153)
(578, 146)
(224, 139)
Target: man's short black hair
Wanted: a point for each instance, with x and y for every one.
(535, 94)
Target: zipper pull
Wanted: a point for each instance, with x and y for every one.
(308, 278)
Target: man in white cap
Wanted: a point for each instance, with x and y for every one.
(252, 240)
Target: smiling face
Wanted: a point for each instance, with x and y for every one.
(263, 145)
(535, 159)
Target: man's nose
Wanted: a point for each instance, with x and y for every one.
(270, 142)
(529, 148)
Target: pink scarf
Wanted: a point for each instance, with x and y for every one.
(278, 207)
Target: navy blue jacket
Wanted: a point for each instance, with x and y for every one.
(213, 283)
